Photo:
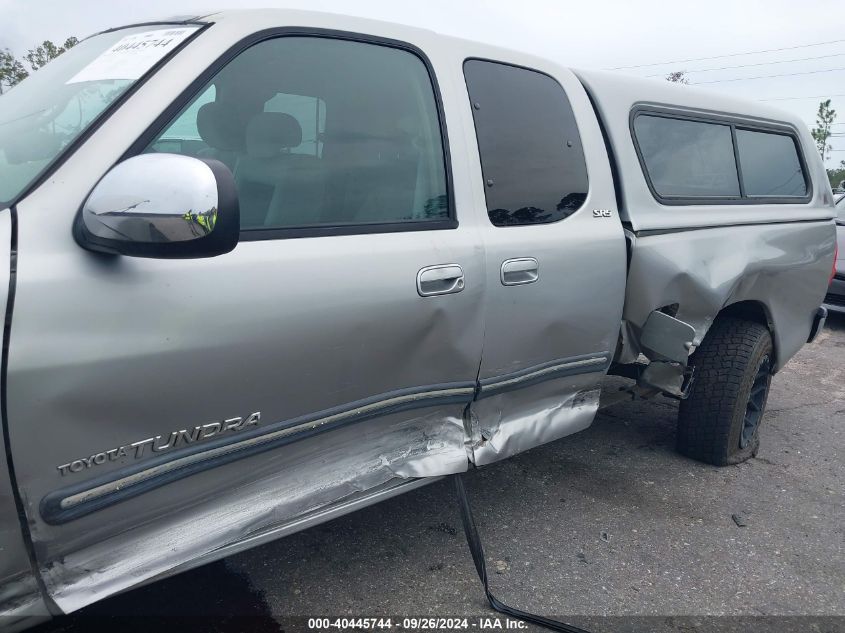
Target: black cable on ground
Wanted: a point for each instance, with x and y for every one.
(475, 547)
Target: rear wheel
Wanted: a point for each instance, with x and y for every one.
(719, 423)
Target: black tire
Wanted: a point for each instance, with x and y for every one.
(719, 423)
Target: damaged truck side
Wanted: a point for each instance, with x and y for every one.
(268, 267)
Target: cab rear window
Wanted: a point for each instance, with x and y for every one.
(687, 161)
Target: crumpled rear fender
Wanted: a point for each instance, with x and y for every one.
(783, 268)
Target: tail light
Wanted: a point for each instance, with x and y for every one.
(835, 257)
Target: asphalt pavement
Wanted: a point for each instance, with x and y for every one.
(608, 528)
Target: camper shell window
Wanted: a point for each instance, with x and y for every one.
(718, 159)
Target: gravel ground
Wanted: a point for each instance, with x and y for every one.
(608, 522)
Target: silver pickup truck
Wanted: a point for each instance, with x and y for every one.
(263, 268)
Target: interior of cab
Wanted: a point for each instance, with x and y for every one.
(318, 131)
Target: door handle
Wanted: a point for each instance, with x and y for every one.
(520, 271)
(444, 279)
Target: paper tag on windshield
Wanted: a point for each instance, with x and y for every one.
(133, 55)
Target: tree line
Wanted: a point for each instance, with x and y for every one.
(14, 70)
(825, 118)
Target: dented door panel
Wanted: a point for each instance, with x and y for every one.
(549, 340)
(255, 497)
(136, 382)
(126, 352)
(508, 423)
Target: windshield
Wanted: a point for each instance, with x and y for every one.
(46, 112)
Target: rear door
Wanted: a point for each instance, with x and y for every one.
(160, 409)
(555, 257)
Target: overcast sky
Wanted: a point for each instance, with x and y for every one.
(594, 34)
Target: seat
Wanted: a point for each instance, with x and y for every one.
(373, 176)
(219, 126)
(277, 188)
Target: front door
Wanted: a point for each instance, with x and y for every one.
(160, 409)
(555, 255)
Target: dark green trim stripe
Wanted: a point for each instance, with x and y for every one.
(585, 364)
(81, 499)
(86, 497)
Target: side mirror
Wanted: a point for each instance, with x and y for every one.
(161, 205)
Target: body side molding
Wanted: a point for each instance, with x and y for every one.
(584, 364)
(78, 500)
(74, 501)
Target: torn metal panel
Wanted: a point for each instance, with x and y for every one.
(669, 377)
(627, 349)
(317, 473)
(664, 336)
(349, 504)
(781, 267)
(532, 416)
(21, 604)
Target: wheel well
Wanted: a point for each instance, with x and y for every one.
(748, 310)
(751, 311)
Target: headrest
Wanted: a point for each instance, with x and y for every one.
(219, 126)
(270, 132)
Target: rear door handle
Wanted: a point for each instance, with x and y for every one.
(520, 271)
(444, 279)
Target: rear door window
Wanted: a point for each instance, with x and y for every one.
(530, 149)
(770, 164)
(687, 159)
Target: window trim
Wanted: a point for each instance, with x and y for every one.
(735, 122)
(478, 147)
(253, 235)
